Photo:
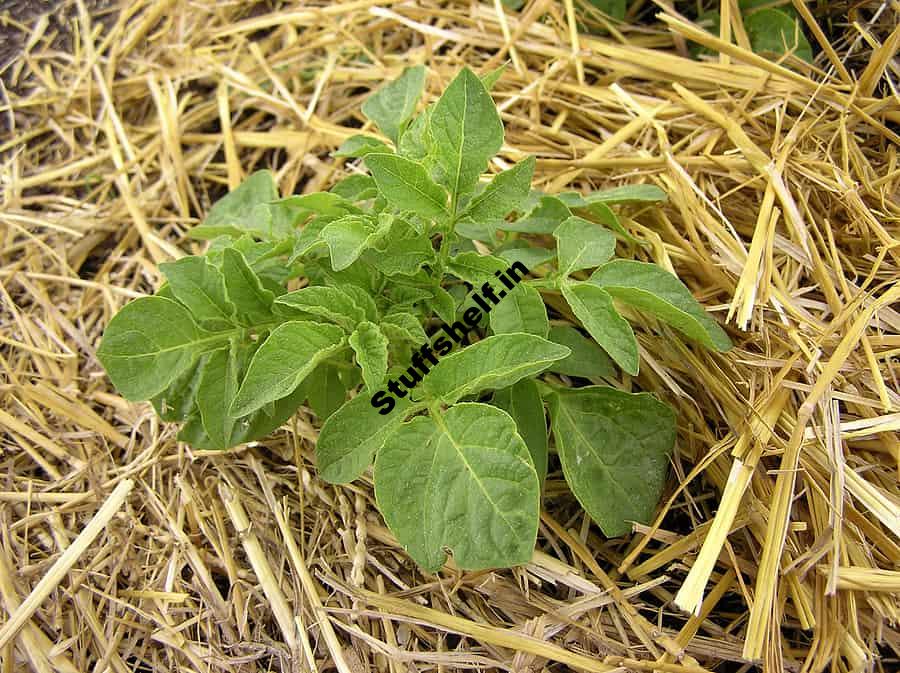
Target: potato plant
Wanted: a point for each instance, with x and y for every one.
(325, 298)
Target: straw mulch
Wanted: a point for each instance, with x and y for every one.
(777, 541)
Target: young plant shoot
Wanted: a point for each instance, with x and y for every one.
(379, 264)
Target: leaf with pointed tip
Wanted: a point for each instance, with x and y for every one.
(297, 206)
(502, 194)
(627, 194)
(359, 146)
(291, 351)
(404, 256)
(467, 132)
(522, 401)
(356, 188)
(474, 268)
(310, 238)
(581, 244)
(465, 482)
(587, 360)
(331, 303)
(491, 78)
(495, 362)
(544, 218)
(363, 300)
(403, 326)
(443, 304)
(593, 306)
(653, 289)
(249, 428)
(531, 257)
(392, 106)
(149, 344)
(252, 301)
(416, 143)
(235, 213)
(349, 236)
(179, 400)
(353, 434)
(614, 449)
(371, 348)
(407, 185)
(522, 310)
(609, 219)
(326, 390)
(218, 386)
(200, 286)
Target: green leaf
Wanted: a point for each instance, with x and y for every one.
(544, 218)
(371, 348)
(260, 255)
(218, 387)
(263, 422)
(477, 231)
(251, 300)
(587, 360)
(292, 351)
(495, 362)
(502, 194)
(407, 185)
(405, 258)
(464, 482)
(531, 257)
(609, 219)
(235, 212)
(475, 268)
(403, 327)
(356, 188)
(149, 344)
(593, 306)
(330, 303)
(402, 257)
(522, 401)
(362, 299)
(392, 106)
(467, 132)
(522, 310)
(326, 390)
(245, 429)
(443, 304)
(627, 194)
(416, 143)
(772, 31)
(349, 236)
(359, 146)
(351, 436)
(491, 78)
(200, 286)
(310, 238)
(320, 272)
(653, 289)
(582, 244)
(614, 449)
(596, 206)
(321, 203)
(179, 400)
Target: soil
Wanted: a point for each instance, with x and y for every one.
(27, 12)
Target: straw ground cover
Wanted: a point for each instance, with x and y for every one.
(776, 543)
